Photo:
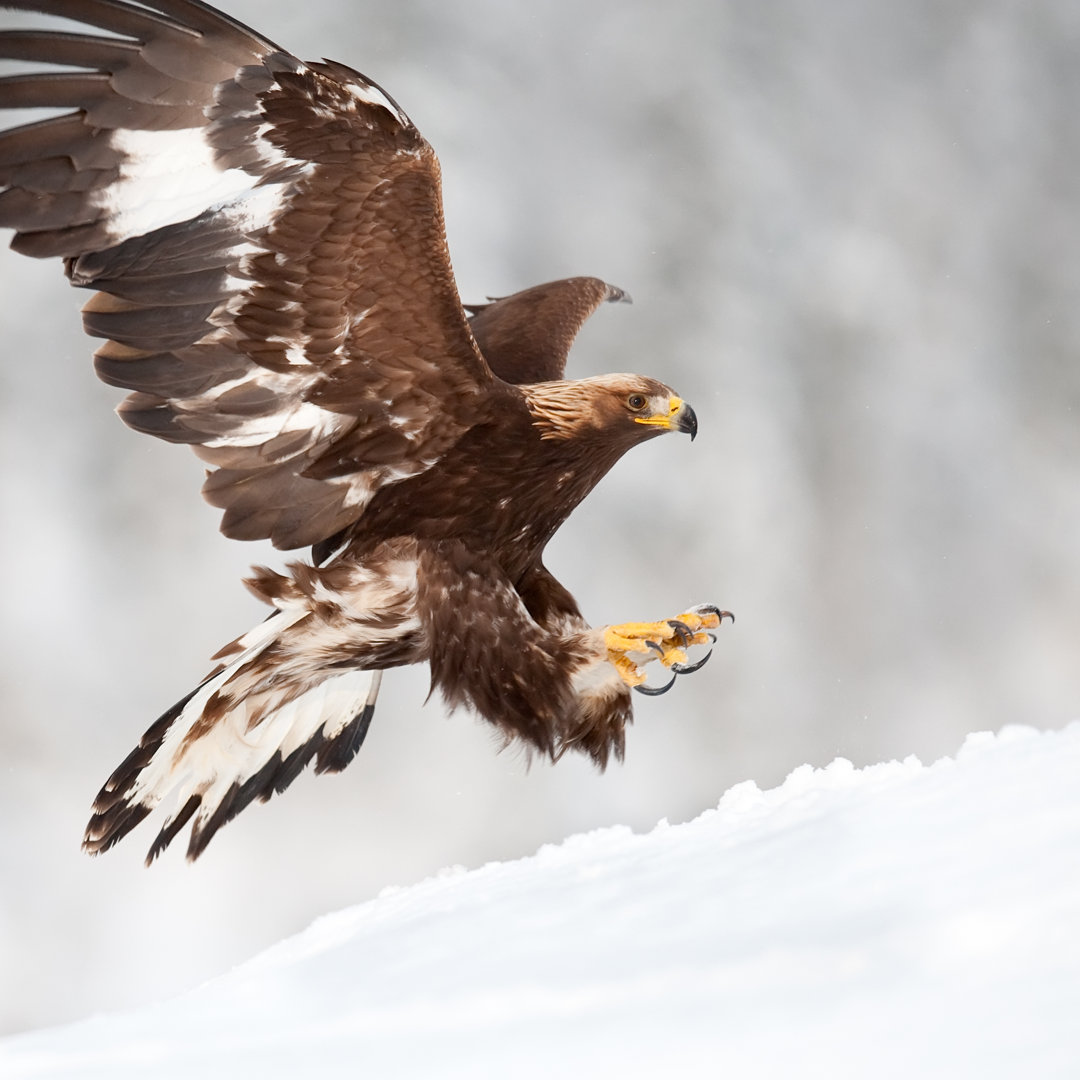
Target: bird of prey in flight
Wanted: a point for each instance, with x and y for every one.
(264, 242)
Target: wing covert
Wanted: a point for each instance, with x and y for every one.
(266, 245)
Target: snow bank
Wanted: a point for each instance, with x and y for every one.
(898, 920)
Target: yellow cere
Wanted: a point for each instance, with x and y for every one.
(664, 421)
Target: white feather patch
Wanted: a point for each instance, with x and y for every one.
(230, 753)
(173, 761)
(234, 749)
(166, 177)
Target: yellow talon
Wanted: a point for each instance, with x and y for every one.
(631, 674)
(697, 620)
(641, 631)
(630, 646)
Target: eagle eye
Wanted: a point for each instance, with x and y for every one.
(637, 402)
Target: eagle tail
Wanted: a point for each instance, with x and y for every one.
(236, 737)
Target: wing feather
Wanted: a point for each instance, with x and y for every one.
(526, 337)
(266, 242)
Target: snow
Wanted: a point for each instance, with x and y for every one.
(849, 229)
(895, 920)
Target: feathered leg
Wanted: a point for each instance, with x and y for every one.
(523, 656)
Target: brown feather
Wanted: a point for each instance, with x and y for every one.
(526, 337)
(265, 244)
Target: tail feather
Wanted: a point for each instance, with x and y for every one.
(171, 828)
(240, 735)
(279, 772)
(115, 815)
(109, 827)
(336, 753)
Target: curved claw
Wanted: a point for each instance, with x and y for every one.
(655, 691)
(656, 648)
(682, 631)
(712, 609)
(689, 669)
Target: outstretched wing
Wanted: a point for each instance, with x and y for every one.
(526, 337)
(266, 241)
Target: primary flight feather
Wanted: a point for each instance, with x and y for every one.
(264, 238)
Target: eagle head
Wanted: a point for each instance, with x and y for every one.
(624, 408)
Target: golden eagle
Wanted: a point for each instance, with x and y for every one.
(265, 242)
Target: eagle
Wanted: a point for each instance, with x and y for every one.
(265, 244)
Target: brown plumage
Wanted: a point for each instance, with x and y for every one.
(265, 242)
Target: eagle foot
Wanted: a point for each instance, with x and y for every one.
(630, 646)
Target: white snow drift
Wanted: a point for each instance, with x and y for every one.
(900, 920)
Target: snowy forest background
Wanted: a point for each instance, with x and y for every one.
(850, 231)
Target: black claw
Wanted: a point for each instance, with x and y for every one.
(682, 631)
(712, 609)
(689, 669)
(656, 648)
(655, 691)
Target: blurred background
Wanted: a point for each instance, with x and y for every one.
(850, 228)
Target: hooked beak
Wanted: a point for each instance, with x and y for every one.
(685, 420)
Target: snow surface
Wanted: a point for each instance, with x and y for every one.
(897, 920)
(850, 230)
